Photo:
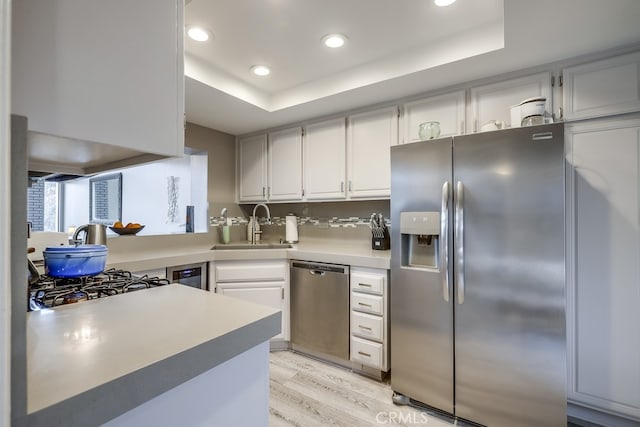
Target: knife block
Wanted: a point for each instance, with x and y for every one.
(381, 243)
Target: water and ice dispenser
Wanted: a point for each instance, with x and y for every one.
(420, 237)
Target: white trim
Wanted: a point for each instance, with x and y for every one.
(5, 212)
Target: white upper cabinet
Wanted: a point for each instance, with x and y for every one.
(270, 169)
(324, 150)
(602, 88)
(603, 201)
(252, 162)
(370, 136)
(108, 72)
(448, 110)
(285, 165)
(494, 101)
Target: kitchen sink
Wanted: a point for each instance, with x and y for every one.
(247, 245)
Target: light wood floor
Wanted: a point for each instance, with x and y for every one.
(308, 393)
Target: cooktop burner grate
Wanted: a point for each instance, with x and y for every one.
(51, 292)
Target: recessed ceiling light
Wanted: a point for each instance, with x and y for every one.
(334, 40)
(198, 34)
(443, 2)
(261, 70)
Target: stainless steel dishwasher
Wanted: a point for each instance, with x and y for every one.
(320, 310)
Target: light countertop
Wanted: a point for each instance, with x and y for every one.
(319, 250)
(100, 358)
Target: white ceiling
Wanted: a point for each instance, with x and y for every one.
(395, 49)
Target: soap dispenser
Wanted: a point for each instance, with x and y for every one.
(250, 226)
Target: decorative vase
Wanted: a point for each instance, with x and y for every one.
(429, 130)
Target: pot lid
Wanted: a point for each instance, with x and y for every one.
(76, 249)
(534, 99)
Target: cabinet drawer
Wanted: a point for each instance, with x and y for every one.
(250, 271)
(366, 352)
(365, 282)
(366, 326)
(368, 303)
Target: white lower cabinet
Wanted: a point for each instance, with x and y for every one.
(366, 352)
(263, 282)
(370, 318)
(603, 272)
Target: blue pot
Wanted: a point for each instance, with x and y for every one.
(75, 261)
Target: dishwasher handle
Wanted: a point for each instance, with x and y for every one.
(317, 268)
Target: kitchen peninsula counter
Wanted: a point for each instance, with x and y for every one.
(92, 361)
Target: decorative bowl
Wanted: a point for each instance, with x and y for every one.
(429, 130)
(124, 231)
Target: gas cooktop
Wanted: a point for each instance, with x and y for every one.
(49, 292)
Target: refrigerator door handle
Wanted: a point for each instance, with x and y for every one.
(459, 240)
(444, 241)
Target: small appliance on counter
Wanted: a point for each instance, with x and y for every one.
(528, 112)
(94, 234)
(380, 239)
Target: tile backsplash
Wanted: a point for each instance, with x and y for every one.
(321, 222)
(339, 220)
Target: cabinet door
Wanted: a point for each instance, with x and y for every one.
(448, 110)
(253, 168)
(602, 88)
(369, 139)
(271, 296)
(494, 101)
(285, 165)
(324, 160)
(101, 71)
(603, 289)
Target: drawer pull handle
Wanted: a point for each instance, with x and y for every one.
(362, 353)
(364, 305)
(366, 285)
(364, 327)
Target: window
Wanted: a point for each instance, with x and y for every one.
(43, 205)
(105, 199)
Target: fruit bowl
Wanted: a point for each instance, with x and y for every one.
(125, 231)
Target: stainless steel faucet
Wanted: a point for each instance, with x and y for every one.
(255, 221)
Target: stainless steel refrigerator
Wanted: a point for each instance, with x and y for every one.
(478, 276)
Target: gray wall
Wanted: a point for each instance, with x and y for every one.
(221, 166)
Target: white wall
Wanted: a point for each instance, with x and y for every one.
(5, 214)
(76, 203)
(145, 196)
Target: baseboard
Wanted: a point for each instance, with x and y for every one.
(587, 417)
(279, 345)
